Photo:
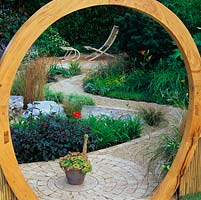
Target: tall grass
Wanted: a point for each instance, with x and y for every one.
(74, 102)
(111, 131)
(30, 80)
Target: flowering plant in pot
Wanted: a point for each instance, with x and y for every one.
(76, 165)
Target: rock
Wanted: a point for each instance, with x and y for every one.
(111, 112)
(43, 107)
(16, 103)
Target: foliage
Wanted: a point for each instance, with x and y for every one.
(165, 82)
(89, 26)
(71, 102)
(123, 94)
(169, 84)
(10, 22)
(49, 43)
(48, 137)
(19, 84)
(53, 96)
(188, 11)
(152, 116)
(168, 148)
(57, 70)
(74, 102)
(30, 81)
(74, 68)
(76, 160)
(195, 196)
(138, 32)
(111, 131)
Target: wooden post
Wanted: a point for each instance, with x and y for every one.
(55, 10)
(85, 144)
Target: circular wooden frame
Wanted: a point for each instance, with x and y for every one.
(46, 16)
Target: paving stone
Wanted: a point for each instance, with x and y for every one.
(107, 181)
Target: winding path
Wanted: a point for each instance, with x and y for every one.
(119, 172)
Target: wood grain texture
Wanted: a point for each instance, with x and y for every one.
(53, 11)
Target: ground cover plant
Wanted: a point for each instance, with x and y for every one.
(196, 196)
(152, 116)
(47, 137)
(164, 82)
(111, 131)
(71, 102)
(57, 70)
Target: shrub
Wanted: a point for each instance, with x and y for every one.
(53, 96)
(49, 137)
(71, 102)
(139, 32)
(111, 131)
(152, 116)
(57, 70)
(74, 102)
(74, 68)
(49, 43)
(169, 84)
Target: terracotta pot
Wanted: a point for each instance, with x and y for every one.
(74, 177)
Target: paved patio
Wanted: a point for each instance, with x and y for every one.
(111, 178)
(119, 173)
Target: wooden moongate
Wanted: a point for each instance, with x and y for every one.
(46, 16)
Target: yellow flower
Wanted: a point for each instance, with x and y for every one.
(187, 94)
(183, 81)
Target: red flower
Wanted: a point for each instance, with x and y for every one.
(142, 52)
(43, 124)
(1, 26)
(77, 115)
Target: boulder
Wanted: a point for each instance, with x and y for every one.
(111, 112)
(43, 107)
(16, 103)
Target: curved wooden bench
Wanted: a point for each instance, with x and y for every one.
(46, 16)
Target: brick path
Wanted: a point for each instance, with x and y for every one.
(111, 178)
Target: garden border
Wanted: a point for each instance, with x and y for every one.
(46, 16)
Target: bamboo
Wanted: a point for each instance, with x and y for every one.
(55, 10)
(191, 181)
(6, 192)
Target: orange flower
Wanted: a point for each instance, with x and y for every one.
(77, 115)
(142, 52)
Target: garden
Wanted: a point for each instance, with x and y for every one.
(147, 76)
